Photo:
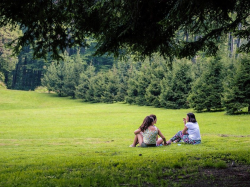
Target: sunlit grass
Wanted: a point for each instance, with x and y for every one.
(46, 140)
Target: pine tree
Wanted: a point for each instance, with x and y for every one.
(111, 86)
(69, 77)
(142, 83)
(58, 78)
(153, 91)
(237, 93)
(73, 68)
(50, 78)
(124, 71)
(97, 87)
(138, 82)
(132, 90)
(206, 93)
(83, 90)
(176, 86)
(157, 70)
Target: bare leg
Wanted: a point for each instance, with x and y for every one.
(135, 142)
(169, 142)
(159, 141)
(138, 139)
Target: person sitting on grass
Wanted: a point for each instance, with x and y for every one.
(155, 120)
(149, 133)
(190, 134)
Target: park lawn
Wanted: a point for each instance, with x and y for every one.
(46, 140)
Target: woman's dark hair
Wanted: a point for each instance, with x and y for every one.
(146, 123)
(191, 118)
(153, 116)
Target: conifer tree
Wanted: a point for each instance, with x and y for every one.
(166, 91)
(132, 91)
(58, 77)
(69, 77)
(176, 86)
(50, 77)
(237, 93)
(124, 71)
(153, 91)
(83, 90)
(111, 85)
(206, 93)
(141, 82)
(63, 77)
(73, 68)
(157, 69)
(97, 87)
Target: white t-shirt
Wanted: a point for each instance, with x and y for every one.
(193, 130)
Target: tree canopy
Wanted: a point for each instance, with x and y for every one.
(142, 27)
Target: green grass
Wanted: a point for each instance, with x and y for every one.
(46, 140)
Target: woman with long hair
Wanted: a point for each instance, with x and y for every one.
(146, 134)
(155, 120)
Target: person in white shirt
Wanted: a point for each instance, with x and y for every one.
(191, 132)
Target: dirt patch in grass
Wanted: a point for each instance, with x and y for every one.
(238, 176)
(229, 135)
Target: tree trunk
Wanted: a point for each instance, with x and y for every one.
(24, 79)
(238, 40)
(15, 76)
(194, 58)
(177, 36)
(230, 45)
(186, 36)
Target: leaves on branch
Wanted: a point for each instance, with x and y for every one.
(139, 27)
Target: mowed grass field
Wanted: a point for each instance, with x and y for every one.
(46, 140)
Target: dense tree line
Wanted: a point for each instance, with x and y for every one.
(23, 72)
(203, 83)
(209, 84)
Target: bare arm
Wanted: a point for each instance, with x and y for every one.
(163, 137)
(137, 131)
(184, 131)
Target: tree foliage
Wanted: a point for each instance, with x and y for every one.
(140, 27)
(63, 77)
(7, 61)
(237, 94)
(187, 84)
(176, 86)
(207, 90)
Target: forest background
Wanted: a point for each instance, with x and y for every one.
(203, 83)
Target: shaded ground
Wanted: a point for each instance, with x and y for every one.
(238, 175)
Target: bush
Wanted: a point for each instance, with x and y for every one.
(41, 89)
(2, 85)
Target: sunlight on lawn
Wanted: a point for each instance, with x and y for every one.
(43, 131)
